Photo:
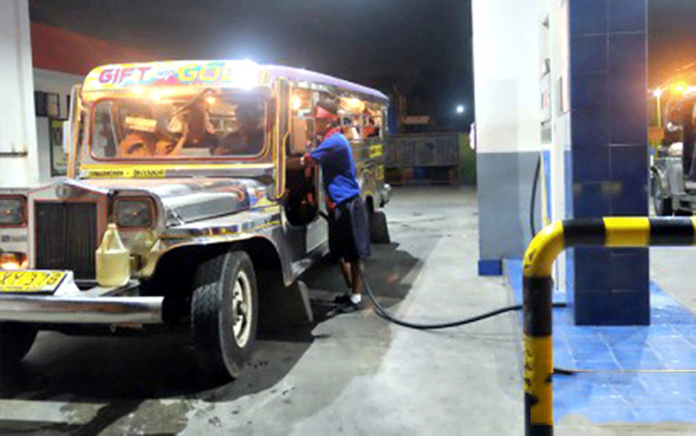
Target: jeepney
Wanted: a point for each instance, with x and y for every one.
(181, 205)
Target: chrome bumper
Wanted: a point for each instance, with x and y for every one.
(70, 305)
(81, 310)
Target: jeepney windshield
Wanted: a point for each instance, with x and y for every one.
(207, 124)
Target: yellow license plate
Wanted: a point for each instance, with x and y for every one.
(31, 282)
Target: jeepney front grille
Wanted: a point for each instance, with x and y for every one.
(66, 237)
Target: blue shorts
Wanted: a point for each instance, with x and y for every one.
(349, 231)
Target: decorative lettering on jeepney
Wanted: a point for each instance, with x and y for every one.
(205, 74)
(187, 74)
(155, 173)
(127, 173)
(235, 74)
(107, 173)
(120, 75)
(211, 74)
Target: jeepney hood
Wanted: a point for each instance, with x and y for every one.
(188, 199)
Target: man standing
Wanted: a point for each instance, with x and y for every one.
(349, 235)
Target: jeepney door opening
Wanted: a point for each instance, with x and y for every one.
(302, 184)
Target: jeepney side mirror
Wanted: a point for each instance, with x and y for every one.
(303, 134)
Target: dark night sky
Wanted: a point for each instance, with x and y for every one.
(424, 45)
(672, 40)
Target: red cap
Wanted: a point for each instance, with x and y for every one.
(323, 113)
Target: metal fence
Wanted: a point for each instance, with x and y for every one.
(427, 150)
(422, 158)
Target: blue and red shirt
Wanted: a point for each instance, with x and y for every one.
(335, 156)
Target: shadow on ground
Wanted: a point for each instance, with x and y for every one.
(389, 271)
(124, 371)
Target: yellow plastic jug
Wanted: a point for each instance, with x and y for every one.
(113, 260)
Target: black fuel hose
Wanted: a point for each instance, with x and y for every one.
(382, 312)
(532, 202)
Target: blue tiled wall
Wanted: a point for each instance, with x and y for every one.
(608, 48)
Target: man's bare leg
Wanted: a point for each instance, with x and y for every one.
(346, 271)
(356, 268)
(351, 272)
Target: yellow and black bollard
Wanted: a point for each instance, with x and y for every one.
(538, 286)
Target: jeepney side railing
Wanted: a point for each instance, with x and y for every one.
(538, 285)
(282, 133)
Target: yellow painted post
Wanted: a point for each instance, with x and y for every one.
(538, 342)
(538, 287)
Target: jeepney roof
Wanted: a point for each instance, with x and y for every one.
(229, 74)
(300, 75)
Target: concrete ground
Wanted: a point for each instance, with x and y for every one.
(350, 374)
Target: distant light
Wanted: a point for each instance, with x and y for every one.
(137, 90)
(354, 104)
(678, 88)
(210, 100)
(460, 109)
(159, 94)
(247, 75)
(658, 92)
(296, 103)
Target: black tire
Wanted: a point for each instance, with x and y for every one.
(379, 230)
(662, 205)
(16, 340)
(221, 350)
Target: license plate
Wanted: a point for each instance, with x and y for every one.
(31, 282)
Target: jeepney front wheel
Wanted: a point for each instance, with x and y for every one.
(224, 314)
(16, 340)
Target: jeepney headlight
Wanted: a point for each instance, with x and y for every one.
(12, 211)
(134, 213)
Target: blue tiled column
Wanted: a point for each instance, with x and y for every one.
(608, 49)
